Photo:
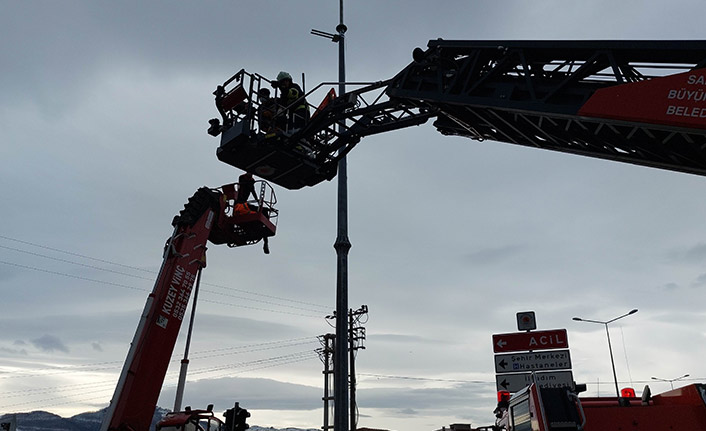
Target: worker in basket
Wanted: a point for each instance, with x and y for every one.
(266, 112)
(292, 98)
(246, 187)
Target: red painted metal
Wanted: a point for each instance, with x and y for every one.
(136, 402)
(535, 340)
(676, 100)
(679, 409)
(207, 216)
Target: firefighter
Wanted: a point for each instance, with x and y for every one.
(266, 112)
(246, 187)
(292, 98)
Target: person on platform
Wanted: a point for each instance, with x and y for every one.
(246, 188)
(291, 98)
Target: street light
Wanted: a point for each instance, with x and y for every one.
(610, 348)
(342, 246)
(671, 381)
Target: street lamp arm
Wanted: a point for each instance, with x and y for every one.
(610, 347)
(633, 311)
(579, 319)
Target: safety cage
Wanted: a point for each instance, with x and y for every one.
(246, 222)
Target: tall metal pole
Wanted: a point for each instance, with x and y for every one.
(185, 362)
(612, 362)
(342, 246)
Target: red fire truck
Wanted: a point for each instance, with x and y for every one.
(561, 409)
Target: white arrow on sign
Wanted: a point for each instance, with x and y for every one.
(501, 343)
(533, 361)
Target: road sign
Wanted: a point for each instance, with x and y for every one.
(517, 382)
(533, 361)
(526, 321)
(535, 340)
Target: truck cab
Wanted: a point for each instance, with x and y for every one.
(191, 420)
(540, 409)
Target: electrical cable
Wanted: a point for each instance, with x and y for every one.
(424, 378)
(124, 286)
(322, 307)
(260, 364)
(249, 348)
(74, 254)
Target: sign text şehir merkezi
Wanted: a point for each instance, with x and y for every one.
(533, 361)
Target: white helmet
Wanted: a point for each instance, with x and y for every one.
(283, 75)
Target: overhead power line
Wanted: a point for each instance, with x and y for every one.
(83, 256)
(78, 277)
(108, 387)
(225, 351)
(287, 304)
(429, 379)
(125, 286)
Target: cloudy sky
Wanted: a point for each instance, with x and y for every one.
(103, 115)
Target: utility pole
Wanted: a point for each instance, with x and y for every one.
(325, 353)
(356, 337)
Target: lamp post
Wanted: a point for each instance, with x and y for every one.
(610, 348)
(671, 381)
(342, 246)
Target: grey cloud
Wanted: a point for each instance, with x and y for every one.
(417, 400)
(690, 255)
(494, 254)
(22, 352)
(50, 343)
(401, 338)
(8, 272)
(252, 393)
(670, 286)
(122, 95)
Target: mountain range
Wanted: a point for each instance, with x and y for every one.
(90, 421)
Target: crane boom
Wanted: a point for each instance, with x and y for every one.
(638, 102)
(209, 215)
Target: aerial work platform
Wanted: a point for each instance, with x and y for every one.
(639, 102)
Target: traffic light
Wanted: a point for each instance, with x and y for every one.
(236, 417)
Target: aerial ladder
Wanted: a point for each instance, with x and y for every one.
(220, 216)
(639, 102)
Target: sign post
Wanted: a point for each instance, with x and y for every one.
(540, 357)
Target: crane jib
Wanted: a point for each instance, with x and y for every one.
(639, 102)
